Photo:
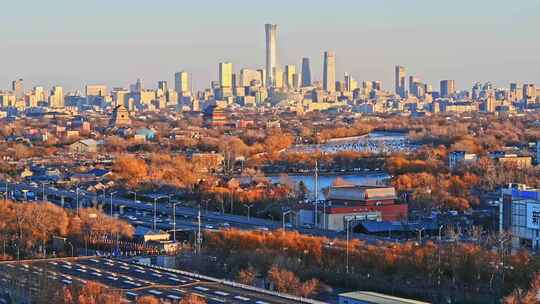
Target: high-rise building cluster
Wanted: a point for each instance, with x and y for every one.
(288, 86)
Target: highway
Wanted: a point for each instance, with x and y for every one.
(142, 213)
(134, 280)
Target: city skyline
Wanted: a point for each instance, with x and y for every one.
(116, 54)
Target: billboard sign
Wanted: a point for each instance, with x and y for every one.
(533, 216)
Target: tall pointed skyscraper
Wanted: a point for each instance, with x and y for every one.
(329, 72)
(306, 72)
(271, 53)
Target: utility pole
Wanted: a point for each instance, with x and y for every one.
(77, 200)
(112, 193)
(155, 213)
(347, 261)
(43, 195)
(316, 192)
(174, 220)
(199, 236)
(248, 210)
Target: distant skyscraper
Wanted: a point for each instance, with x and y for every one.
(263, 76)
(377, 85)
(400, 81)
(56, 99)
(448, 88)
(413, 82)
(225, 74)
(490, 103)
(181, 83)
(516, 92)
(329, 72)
(247, 77)
(271, 53)
(18, 88)
(163, 86)
(278, 78)
(39, 92)
(290, 74)
(529, 93)
(136, 87)
(96, 90)
(306, 72)
(350, 83)
(234, 80)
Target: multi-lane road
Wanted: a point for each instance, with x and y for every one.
(142, 213)
(134, 280)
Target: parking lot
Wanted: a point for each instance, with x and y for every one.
(134, 280)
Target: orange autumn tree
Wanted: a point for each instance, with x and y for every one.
(530, 296)
(247, 276)
(288, 282)
(148, 300)
(132, 171)
(192, 299)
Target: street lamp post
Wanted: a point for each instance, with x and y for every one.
(71, 245)
(347, 257)
(77, 200)
(43, 195)
(325, 223)
(6, 192)
(316, 193)
(248, 208)
(439, 256)
(199, 235)
(155, 210)
(174, 220)
(155, 213)
(420, 234)
(283, 218)
(134, 196)
(18, 251)
(440, 233)
(112, 193)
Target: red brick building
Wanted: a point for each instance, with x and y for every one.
(354, 203)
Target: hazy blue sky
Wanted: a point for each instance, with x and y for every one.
(73, 42)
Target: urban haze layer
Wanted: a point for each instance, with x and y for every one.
(270, 186)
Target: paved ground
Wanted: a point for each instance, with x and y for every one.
(133, 279)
